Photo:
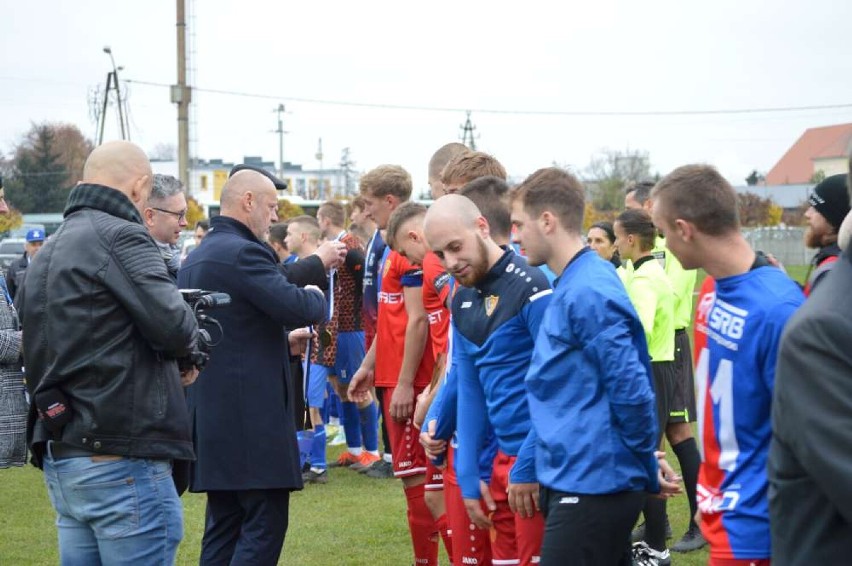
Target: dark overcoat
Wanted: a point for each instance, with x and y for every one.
(241, 404)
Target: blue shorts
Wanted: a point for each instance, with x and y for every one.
(315, 388)
(350, 354)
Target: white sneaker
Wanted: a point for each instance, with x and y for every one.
(644, 555)
(339, 439)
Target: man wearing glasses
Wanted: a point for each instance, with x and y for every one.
(165, 218)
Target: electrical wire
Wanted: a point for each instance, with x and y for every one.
(595, 113)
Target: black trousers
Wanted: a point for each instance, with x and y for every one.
(588, 530)
(245, 527)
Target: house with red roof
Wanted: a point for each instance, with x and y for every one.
(824, 149)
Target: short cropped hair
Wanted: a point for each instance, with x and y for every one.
(358, 203)
(334, 211)
(402, 214)
(641, 191)
(165, 186)
(308, 224)
(444, 155)
(277, 233)
(387, 180)
(700, 195)
(490, 194)
(555, 190)
(637, 222)
(471, 165)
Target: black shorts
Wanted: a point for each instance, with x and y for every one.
(664, 383)
(588, 529)
(682, 409)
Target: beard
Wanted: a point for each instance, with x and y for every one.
(478, 267)
(816, 239)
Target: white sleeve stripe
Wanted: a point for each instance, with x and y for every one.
(541, 294)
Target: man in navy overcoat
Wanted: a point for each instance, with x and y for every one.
(240, 405)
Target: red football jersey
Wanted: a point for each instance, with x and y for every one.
(436, 289)
(398, 273)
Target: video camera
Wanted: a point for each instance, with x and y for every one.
(201, 301)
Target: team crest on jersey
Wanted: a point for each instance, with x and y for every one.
(386, 268)
(491, 304)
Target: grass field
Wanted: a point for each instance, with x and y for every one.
(353, 520)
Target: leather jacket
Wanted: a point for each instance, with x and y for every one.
(103, 324)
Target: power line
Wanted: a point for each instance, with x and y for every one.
(578, 113)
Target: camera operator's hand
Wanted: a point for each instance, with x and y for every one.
(331, 253)
(189, 376)
(298, 339)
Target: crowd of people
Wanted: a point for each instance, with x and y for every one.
(521, 374)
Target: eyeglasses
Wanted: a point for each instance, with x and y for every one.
(180, 215)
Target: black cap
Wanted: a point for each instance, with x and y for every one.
(830, 199)
(279, 184)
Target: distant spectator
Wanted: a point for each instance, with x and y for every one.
(201, 228)
(18, 270)
(829, 206)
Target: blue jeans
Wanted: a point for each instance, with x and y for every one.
(114, 510)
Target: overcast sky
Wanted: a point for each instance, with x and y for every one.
(606, 56)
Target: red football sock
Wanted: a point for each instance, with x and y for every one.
(443, 527)
(424, 534)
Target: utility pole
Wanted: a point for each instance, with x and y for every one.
(280, 132)
(182, 96)
(346, 166)
(319, 175)
(112, 83)
(468, 138)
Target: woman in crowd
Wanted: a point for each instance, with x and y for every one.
(13, 400)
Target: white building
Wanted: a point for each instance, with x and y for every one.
(208, 176)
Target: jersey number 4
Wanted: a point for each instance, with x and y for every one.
(722, 396)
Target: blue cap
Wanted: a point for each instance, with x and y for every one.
(35, 235)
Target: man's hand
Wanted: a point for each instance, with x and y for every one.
(189, 376)
(433, 447)
(669, 480)
(421, 407)
(523, 499)
(331, 253)
(360, 386)
(314, 288)
(474, 507)
(298, 340)
(402, 402)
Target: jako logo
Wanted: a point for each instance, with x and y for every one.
(569, 501)
(469, 560)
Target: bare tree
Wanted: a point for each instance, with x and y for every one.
(610, 171)
(163, 152)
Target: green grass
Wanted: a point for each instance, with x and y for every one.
(352, 520)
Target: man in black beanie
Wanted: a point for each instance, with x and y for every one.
(829, 206)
